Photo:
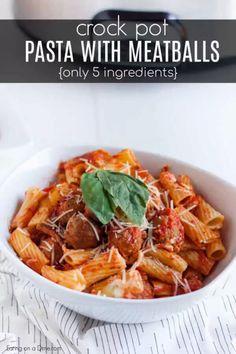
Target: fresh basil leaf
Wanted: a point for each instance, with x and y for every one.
(96, 197)
(130, 194)
(105, 191)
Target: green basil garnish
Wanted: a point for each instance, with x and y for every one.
(105, 191)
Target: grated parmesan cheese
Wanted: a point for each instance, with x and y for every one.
(54, 220)
(123, 276)
(117, 222)
(166, 195)
(98, 250)
(48, 247)
(25, 247)
(68, 253)
(139, 260)
(188, 222)
(127, 168)
(52, 255)
(89, 165)
(154, 204)
(23, 231)
(187, 209)
(149, 241)
(55, 227)
(110, 255)
(182, 189)
(91, 224)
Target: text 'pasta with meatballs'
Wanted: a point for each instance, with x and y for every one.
(107, 226)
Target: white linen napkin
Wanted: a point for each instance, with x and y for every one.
(31, 322)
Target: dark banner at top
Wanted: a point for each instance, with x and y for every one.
(118, 47)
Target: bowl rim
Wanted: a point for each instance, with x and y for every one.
(38, 279)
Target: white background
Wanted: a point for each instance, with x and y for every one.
(193, 122)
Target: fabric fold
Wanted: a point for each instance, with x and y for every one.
(30, 321)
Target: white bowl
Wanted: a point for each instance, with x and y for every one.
(39, 170)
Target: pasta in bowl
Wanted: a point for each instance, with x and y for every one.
(107, 226)
(118, 228)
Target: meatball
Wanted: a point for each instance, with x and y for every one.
(67, 206)
(169, 232)
(82, 232)
(51, 231)
(51, 249)
(128, 241)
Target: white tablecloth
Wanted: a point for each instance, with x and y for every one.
(31, 322)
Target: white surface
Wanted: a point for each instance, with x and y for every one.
(193, 122)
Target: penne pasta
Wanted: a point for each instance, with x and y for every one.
(41, 214)
(117, 166)
(216, 250)
(170, 259)
(54, 194)
(126, 156)
(198, 232)
(49, 202)
(162, 289)
(103, 266)
(155, 269)
(125, 161)
(133, 283)
(190, 245)
(148, 178)
(73, 174)
(179, 193)
(72, 279)
(208, 215)
(123, 285)
(75, 167)
(107, 226)
(77, 257)
(191, 204)
(185, 181)
(27, 250)
(58, 191)
(198, 261)
(112, 287)
(167, 179)
(28, 208)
